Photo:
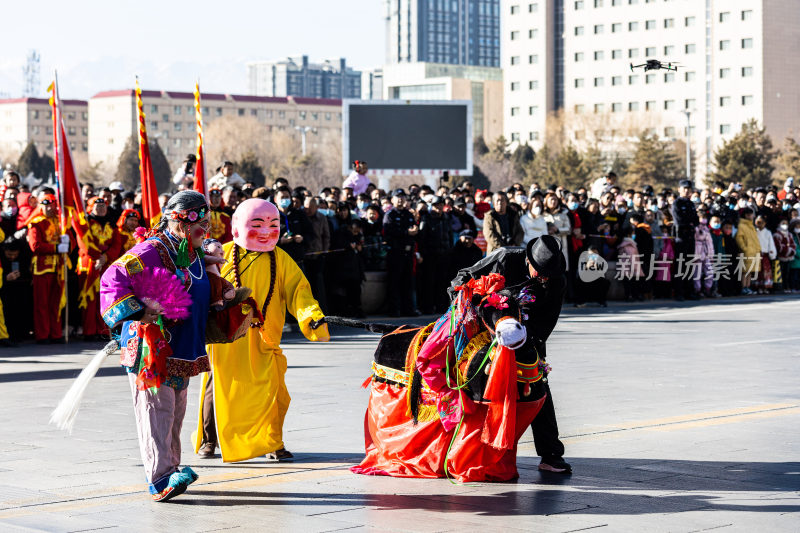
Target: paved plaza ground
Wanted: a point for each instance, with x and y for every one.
(676, 417)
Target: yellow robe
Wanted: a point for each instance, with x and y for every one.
(250, 394)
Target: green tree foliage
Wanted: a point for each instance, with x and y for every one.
(748, 158)
(479, 146)
(499, 149)
(250, 169)
(29, 161)
(655, 163)
(47, 167)
(788, 162)
(128, 167)
(522, 157)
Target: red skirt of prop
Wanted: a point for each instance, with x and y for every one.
(396, 447)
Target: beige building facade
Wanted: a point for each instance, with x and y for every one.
(171, 119)
(23, 120)
(438, 81)
(737, 61)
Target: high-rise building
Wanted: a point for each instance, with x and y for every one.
(372, 84)
(457, 32)
(171, 119)
(737, 61)
(296, 76)
(24, 120)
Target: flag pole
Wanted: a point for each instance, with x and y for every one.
(62, 219)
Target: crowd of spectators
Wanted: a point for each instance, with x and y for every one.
(682, 243)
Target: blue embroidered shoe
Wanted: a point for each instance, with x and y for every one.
(178, 482)
(191, 473)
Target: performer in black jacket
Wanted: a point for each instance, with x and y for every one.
(684, 216)
(542, 265)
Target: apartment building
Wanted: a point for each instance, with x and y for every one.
(297, 76)
(23, 120)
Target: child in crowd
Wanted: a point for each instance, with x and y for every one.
(785, 247)
(764, 282)
(704, 253)
(629, 265)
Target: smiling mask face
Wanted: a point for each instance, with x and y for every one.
(256, 225)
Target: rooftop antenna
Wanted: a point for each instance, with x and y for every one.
(31, 74)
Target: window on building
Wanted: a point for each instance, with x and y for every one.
(725, 16)
(176, 110)
(515, 86)
(515, 60)
(327, 116)
(724, 73)
(85, 115)
(176, 126)
(533, 59)
(71, 130)
(669, 50)
(689, 75)
(34, 114)
(747, 14)
(747, 99)
(633, 79)
(616, 54)
(724, 101)
(649, 24)
(616, 3)
(669, 131)
(650, 105)
(240, 112)
(633, 106)
(747, 43)
(533, 33)
(669, 77)
(633, 2)
(71, 115)
(724, 128)
(690, 48)
(578, 56)
(578, 82)
(598, 29)
(599, 108)
(254, 112)
(616, 107)
(579, 108)
(649, 78)
(579, 4)
(154, 124)
(84, 147)
(85, 130)
(669, 105)
(514, 137)
(281, 114)
(616, 80)
(650, 51)
(598, 82)
(514, 10)
(598, 3)
(533, 85)
(616, 27)
(153, 108)
(689, 103)
(633, 26)
(533, 136)
(165, 118)
(514, 35)
(725, 44)
(533, 8)
(669, 23)
(533, 110)
(219, 111)
(633, 52)
(747, 72)
(514, 111)
(291, 122)
(599, 55)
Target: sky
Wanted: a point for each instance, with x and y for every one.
(101, 45)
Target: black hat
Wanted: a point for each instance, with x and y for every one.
(685, 183)
(398, 192)
(546, 256)
(437, 200)
(467, 233)
(460, 203)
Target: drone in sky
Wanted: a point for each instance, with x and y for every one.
(655, 64)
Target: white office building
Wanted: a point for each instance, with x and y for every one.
(737, 59)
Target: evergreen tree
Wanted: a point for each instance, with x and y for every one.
(251, 170)
(29, 161)
(479, 146)
(47, 167)
(747, 158)
(654, 163)
(161, 170)
(128, 167)
(521, 158)
(788, 162)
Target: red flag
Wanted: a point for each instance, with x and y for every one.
(151, 212)
(200, 166)
(69, 194)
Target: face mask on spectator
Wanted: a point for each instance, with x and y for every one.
(695, 200)
(470, 205)
(536, 210)
(654, 208)
(521, 199)
(630, 202)
(572, 206)
(363, 205)
(786, 207)
(10, 211)
(716, 225)
(797, 230)
(621, 209)
(784, 227)
(285, 202)
(325, 212)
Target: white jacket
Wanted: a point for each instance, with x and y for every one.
(218, 181)
(767, 243)
(533, 227)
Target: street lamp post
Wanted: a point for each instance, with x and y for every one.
(303, 131)
(688, 114)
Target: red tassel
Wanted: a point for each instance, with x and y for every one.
(499, 430)
(366, 382)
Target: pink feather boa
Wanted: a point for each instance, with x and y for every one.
(161, 290)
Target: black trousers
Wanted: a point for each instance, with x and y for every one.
(400, 272)
(683, 284)
(315, 270)
(545, 429)
(209, 422)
